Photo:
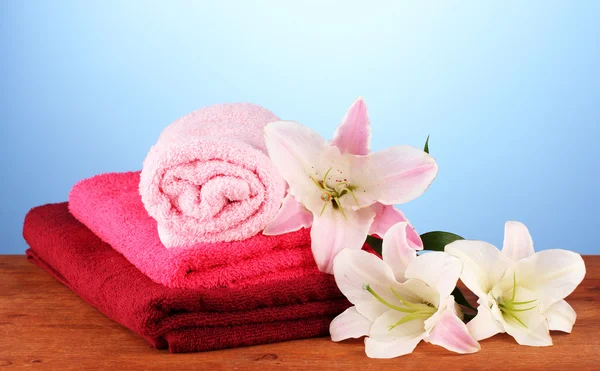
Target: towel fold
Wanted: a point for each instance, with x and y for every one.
(182, 320)
(110, 206)
(209, 178)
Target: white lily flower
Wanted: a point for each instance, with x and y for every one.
(520, 292)
(400, 300)
(341, 189)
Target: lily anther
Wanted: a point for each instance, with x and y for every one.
(332, 195)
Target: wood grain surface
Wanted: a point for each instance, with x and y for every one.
(43, 325)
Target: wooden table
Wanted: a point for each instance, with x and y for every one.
(44, 325)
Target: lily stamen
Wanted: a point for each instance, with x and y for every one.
(351, 192)
(410, 317)
(407, 303)
(331, 195)
(339, 206)
(324, 206)
(413, 310)
(384, 302)
(325, 181)
(511, 307)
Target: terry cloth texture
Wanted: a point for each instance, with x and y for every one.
(209, 177)
(183, 320)
(110, 206)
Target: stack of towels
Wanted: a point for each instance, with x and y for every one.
(176, 252)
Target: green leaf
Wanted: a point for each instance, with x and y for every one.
(460, 298)
(436, 241)
(375, 243)
(426, 149)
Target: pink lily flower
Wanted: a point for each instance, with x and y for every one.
(400, 300)
(340, 188)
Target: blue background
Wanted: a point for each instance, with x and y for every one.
(509, 91)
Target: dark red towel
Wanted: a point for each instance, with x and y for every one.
(183, 320)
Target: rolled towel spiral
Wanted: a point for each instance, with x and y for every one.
(209, 177)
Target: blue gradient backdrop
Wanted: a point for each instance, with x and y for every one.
(509, 91)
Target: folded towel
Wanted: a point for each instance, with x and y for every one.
(110, 206)
(209, 178)
(182, 320)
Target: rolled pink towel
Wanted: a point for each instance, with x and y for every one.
(209, 177)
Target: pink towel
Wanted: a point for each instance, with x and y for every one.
(111, 207)
(209, 178)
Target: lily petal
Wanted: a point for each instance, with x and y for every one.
(294, 149)
(551, 274)
(384, 342)
(560, 316)
(536, 336)
(291, 217)
(386, 216)
(484, 325)
(349, 324)
(353, 269)
(332, 232)
(395, 175)
(451, 333)
(517, 241)
(396, 251)
(439, 270)
(483, 264)
(353, 135)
